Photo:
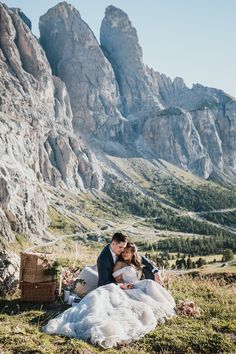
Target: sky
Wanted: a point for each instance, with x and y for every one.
(192, 39)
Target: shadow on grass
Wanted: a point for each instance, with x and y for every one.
(42, 311)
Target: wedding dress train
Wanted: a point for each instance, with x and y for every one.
(109, 315)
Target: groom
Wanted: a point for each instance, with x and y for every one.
(108, 258)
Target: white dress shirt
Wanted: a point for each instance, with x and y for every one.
(114, 256)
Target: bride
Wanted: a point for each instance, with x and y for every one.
(128, 272)
(117, 313)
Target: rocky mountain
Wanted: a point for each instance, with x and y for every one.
(76, 115)
(37, 141)
(119, 42)
(184, 126)
(76, 57)
(213, 114)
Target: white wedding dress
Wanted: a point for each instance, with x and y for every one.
(109, 315)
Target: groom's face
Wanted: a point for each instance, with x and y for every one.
(118, 247)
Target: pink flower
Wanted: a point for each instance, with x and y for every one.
(187, 308)
(69, 277)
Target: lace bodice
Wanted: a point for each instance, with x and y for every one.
(130, 274)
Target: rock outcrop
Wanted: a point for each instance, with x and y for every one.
(201, 138)
(26, 113)
(9, 272)
(119, 42)
(172, 136)
(18, 12)
(213, 113)
(37, 142)
(75, 56)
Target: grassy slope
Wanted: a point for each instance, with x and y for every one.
(214, 332)
(156, 193)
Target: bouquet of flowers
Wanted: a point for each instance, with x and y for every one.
(187, 308)
(69, 278)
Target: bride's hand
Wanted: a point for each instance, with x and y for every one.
(123, 286)
(126, 286)
(130, 286)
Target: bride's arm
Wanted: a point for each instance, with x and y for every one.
(117, 274)
(119, 265)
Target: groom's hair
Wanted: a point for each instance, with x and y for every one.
(119, 237)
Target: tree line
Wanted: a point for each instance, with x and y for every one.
(202, 246)
(162, 259)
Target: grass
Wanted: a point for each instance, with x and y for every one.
(73, 253)
(220, 269)
(20, 243)
(60, 224)
(213, 332)
(210, 258)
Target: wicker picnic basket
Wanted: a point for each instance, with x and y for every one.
(39, 292)
(34, 267)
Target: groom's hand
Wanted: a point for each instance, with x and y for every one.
(157, 278)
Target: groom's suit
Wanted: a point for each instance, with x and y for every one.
(105, 265)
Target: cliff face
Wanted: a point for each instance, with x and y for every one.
(37, 142)
(213, 114)
(75, 56)
(26, 99)
(119, 42)
(192, 128)
(172, 136)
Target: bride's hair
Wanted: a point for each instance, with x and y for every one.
(136, 259)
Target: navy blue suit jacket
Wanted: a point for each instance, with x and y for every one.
(105, 264)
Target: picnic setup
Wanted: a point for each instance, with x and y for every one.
(43, 280)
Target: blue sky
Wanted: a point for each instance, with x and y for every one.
(193, 39)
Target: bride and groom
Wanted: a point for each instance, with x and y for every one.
(124, 307)
(115, 256)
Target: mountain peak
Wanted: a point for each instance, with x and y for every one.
(117, 18)
(116, 15)
(63, 8)
(76, 57)
(179, 83)
(24, 18)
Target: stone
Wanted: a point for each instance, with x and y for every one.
(119, 42)
(9, 272)
(76, 57)
(24, 18)
(172, 136)
(36, 131)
